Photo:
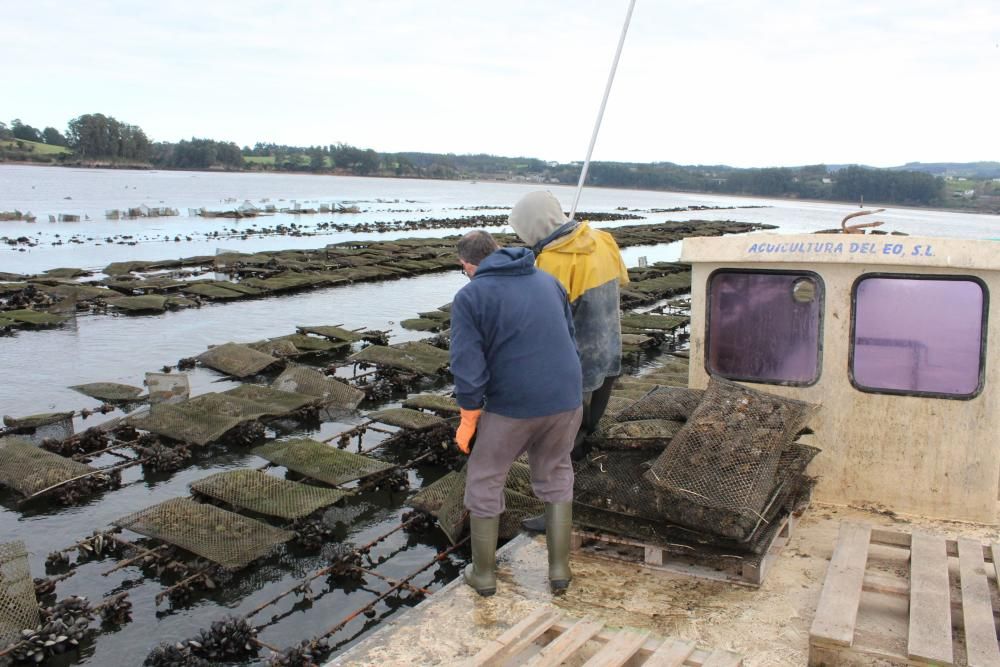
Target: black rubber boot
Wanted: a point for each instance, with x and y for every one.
(481, 574)
(534, 524)
(558, 530)
(581, 446)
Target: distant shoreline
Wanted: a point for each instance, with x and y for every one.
(488, 179)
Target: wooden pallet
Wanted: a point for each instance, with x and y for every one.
(746, 571)
(545, 638)
(945, 603)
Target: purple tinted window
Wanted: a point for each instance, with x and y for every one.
(918, 335)
(764, 326)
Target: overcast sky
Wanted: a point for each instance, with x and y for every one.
(741, 82)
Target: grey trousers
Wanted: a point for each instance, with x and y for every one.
(500, 440)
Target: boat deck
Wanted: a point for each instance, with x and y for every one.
(768, 625)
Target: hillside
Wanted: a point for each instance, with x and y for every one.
(969, 170)
(19, 150)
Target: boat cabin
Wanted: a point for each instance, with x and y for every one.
(894, 337)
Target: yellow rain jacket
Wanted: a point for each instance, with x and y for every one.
(589, 265)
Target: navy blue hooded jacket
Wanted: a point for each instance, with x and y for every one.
(512, 346)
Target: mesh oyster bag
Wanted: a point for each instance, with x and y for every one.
(614, 481)
(18, 607)
(445, 500)
(227, 538)
(726, 458)
(671, 403)
(648, 434)
(612, 491)
(266, 494)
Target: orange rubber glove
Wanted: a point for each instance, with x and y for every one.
(467, 428)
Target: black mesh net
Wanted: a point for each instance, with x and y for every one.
(437, 403)
(194, 421)
(109, 391)
(673, 403)
(615, 405)
(320, 461)
(236, 360)
(226, 538)
(647, 434)
(305, 343)
(36, 421)
(724, 462)
(613, 480)
(612, 494)
(325, 389)
(432, 497)
(333, 333)
(278, 348)
(206, 418)
(445, 500)
(251, 400)
(519, 478)
(453, 517)
(266, 494)
(18, 607)
(406, 418)
(28, 469)
(682, 544)
(414, 356)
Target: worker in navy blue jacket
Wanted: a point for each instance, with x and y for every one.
(518, 383)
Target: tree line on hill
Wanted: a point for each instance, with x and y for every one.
(96, 138)
(852, 183)
(21, 131)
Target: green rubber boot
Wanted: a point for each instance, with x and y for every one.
(558, 529)
(481, 574)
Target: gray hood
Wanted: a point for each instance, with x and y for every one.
(536, 216)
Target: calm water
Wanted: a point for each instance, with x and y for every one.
(39, 366)
(43, 191)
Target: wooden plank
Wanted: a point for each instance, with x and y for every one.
(930, 600)
(995, 552)
(977, 606)
(672, 653)
(670, 564)
(838, 601)
(720, 658)
(857, 656)
(893, 538)
(899, 587)
(619, 649)
(738, 571)
(566, 644)
(516, 638)
(652, 555)
(755, 574)
(652, 644)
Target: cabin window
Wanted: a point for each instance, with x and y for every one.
(919, 335)
(764, 326)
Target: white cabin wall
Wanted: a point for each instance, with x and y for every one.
(913, 455)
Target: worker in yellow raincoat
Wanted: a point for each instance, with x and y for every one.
(588, 264)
